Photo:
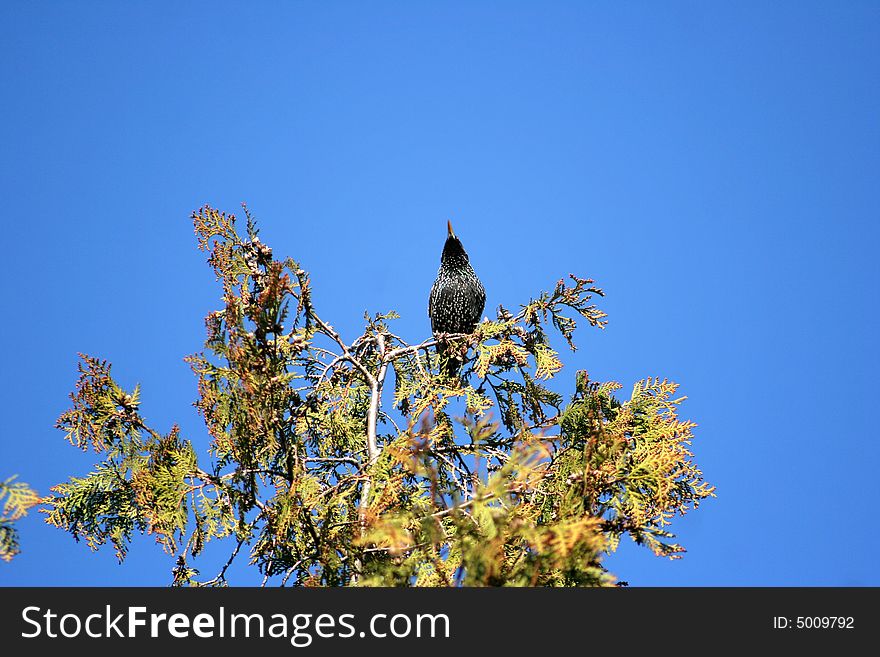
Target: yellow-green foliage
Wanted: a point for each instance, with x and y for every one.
(16, 497)
(324, 478)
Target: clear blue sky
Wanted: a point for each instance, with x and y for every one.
(714, 166)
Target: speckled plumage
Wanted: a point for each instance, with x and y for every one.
(457, 296)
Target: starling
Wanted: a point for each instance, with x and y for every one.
(457, 297)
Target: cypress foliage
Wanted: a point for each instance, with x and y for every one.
(16, 498)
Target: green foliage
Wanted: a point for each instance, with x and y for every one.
(16, 498)
(143, 482)
(325, 478)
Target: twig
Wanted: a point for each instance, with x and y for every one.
(266, 471)
(391, 420)
(328, 330)
(395, 353)
(455, 469)
(332, 459)
(221, 576)
(331, 365)
(290, 572)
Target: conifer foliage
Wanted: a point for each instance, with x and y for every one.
(350, 460)
(16, 498)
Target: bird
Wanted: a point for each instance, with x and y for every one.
(457, 298)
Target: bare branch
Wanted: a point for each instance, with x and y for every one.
(333, 459)
(290, 572)
(375, 398)
(400, 351)
(221, 576)
(391, 420)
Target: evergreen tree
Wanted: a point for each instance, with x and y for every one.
(340, 460)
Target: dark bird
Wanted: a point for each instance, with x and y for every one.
(457, 297)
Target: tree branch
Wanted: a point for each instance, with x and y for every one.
(375, 399)
(329, 331)
(372, 421)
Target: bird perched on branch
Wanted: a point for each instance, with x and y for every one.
(457, 298)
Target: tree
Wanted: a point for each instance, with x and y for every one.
(341, 462)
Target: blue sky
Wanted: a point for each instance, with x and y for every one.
(714, 166)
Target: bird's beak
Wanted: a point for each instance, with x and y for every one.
(449, 228)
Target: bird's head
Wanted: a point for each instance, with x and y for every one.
(453, 251)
